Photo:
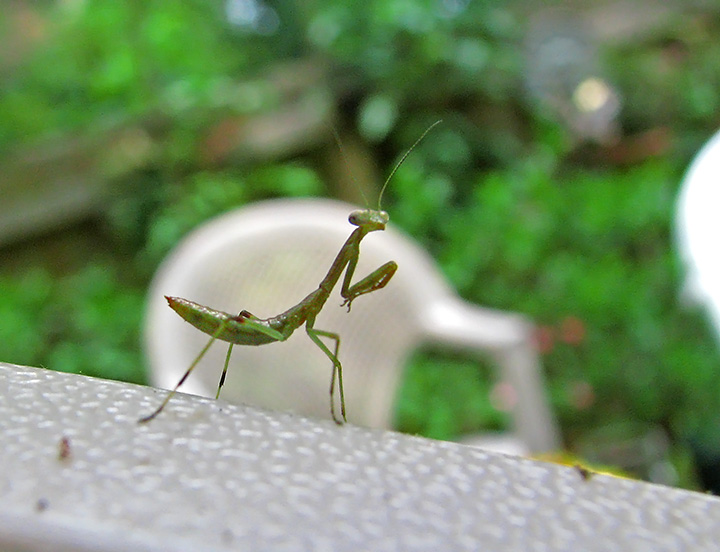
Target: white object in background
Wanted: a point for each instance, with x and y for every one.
(268, 256)
(564, 75)
(698, 229)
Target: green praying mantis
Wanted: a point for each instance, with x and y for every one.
(247, 329)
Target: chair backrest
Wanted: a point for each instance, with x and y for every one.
(266, 257)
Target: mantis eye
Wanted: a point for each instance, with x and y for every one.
(355, 217)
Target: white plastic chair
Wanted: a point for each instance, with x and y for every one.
(266, 257)
(697, 227)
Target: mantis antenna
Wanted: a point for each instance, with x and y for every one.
(392, 173)
(402, 159)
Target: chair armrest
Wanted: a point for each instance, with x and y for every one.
(508, 339)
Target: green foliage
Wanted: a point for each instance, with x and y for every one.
(680, 76)
(499, 194)
(447, 396)
(86, 323)
(24, 303)
(587, 247)
(114, 60)
(450, 50)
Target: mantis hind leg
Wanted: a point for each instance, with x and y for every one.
(159, 409)
(244, 317)
(337, 369)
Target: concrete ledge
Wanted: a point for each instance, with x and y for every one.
(80, 474)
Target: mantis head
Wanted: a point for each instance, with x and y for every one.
(369, 219)
(376, 219)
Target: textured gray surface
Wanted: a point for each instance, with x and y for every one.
(206, 475)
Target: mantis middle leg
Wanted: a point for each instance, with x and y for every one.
(249, 317)
(315, 334)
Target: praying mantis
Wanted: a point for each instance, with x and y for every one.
(247, 329)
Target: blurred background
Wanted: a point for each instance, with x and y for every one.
(549, 189)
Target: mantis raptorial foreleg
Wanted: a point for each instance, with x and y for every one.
(246, 329)
(377, 279)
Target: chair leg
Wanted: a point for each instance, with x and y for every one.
(534, 424)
